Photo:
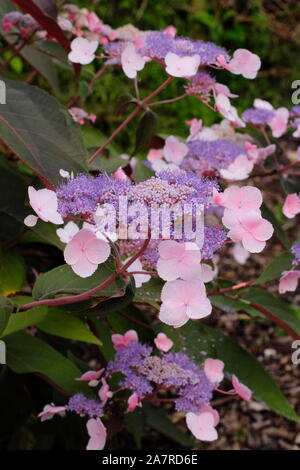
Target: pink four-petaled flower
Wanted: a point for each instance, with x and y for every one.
(177, 66)
(178, 260)
(82, 51)
(244, 63)
(85, 252)
(183, 300)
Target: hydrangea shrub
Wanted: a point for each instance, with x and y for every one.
(140, 234)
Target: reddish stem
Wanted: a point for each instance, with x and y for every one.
(86, 295)
(276, 320)
(242, 285)
(172, 100)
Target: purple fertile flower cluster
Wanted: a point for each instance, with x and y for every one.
(158, 44)
(81, 195)
(193, 392)
(127, 361)
(214, 239)
(200, 189)
(142, 371)
(258, 116)
(84, 406)
(206, 155)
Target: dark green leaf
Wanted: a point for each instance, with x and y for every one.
(27, 354)
(141, 172)
(52, 48)
(43, 232)
(19, 321)
(290, 184)
(280, 309)
(104, 334)
(115, 304)
(109, 160)
(232, 305)
(6, 308)
(123, 102)
(41, 132)
(12, 271)
(274, 269)
(147, 127)
(149, 292)
(135, 423)
(59, 323)
(63, 280)
(39, 61)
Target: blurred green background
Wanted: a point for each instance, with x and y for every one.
(269, 28)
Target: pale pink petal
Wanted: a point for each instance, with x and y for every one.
(172, 313)
(242, 390)
(104, 393)
(130, 335)
(251, 244)
(90, 375)
(240, 254)
(97, 432)
(209, 409)
(202, 425)
(174, 151)
(50, 410)
(72, 252)
(133, 401)
(244, 63)
(30, 220)
(291, 206)
(181, 66)
(213, 369)
(83, 267)
(121, 341)
(279, 122)
(262, 104)
(289, 281)
(199, 309)
(155, 154)
(263, 231)
(97, 251)
(131, 61)
(163, 343)
(236, 233)
(169, 270)
(170, 249)
(173, 290)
